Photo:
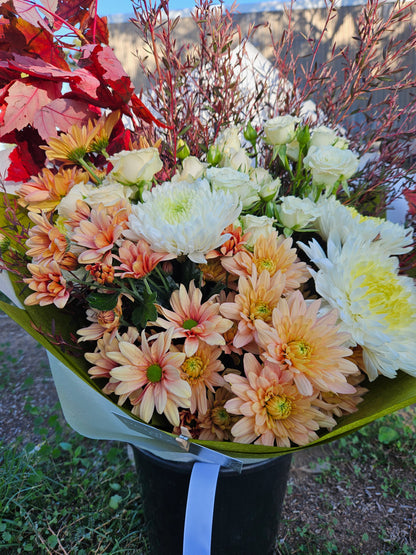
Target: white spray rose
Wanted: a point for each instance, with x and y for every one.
(192, 169)
(268, 187)
(238, 160)
(133, 166)
(292, 150)
(325, 136)
(228, 140)
(108, 194)
(233, 181)
(280, 130)
(297, 213)
(256, 226)
(328, 164)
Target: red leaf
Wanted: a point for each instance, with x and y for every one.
(22, 165)
(30, 14)
(102, 62)
(61, 114)
(20, 37)
(23, 101)
(101, 29)
(140, 110)
(80, 78)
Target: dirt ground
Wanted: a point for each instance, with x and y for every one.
(324, 512)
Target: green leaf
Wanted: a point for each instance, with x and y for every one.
(146, 312)
(52, 541)
(65, 446)
(387, 435)
(115, 501)
(103, 301)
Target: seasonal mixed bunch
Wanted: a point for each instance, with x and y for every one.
(213, 279)
(213, 305)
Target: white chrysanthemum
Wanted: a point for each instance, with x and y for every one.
(346, 221)
(376, 305)
(184, 218)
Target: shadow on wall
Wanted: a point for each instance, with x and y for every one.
(129, 47)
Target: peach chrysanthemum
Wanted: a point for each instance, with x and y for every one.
(216, 423)
(46, 242)
(98, 234)
(273, 410)
(103, 364)
(151, 376)
(102, 321)
(272, 253)
(312, 348)
(192, 320)
(337, 404)
(138, 259)
(201, 371)
(48, 283)
(45, 191)
(257, 297)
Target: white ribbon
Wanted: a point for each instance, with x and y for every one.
(200, 509)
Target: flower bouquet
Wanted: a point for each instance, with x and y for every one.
(230, 296)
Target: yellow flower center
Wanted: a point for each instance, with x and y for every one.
(193, 367)
(154, 373)
(298, 349)
(279, 407)
(220, 417)
(260, 310)
(386, 294)
(266, 264)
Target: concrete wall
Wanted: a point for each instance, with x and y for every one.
(341, 30)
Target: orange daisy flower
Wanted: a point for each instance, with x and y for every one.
(46, 190)
(272, 253)
(192, 320)
(257, 297)
(150, 375)
(138, 260)
(46, 242)
(273, 411)
(71, 146)
(312, 348)
(48, 283)
(201, 371)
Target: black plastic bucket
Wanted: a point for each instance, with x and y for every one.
(246, 512)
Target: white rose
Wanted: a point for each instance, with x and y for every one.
(192, 169)
(228, 140)
(256, 226)
(228, 179)
(269, 187)
(238, 160)
(328, 164)
(297, 213)
(292, 150)
(325, 136)
(280, 130)
(108, 194)
(133, 166)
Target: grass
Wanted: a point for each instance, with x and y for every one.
(68, 495)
